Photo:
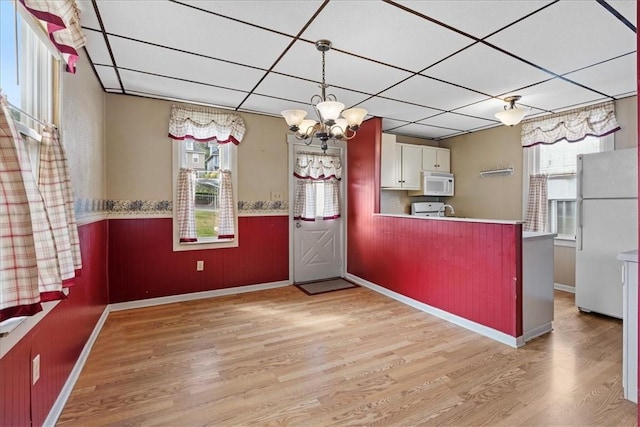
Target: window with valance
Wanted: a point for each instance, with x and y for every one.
(317, 192)
(551, 145)
(205, 155)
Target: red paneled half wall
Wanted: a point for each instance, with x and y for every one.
(469, 269)
(142, 263)
(58, 338)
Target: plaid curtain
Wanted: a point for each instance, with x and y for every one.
(536, 218)
(205, 124)
(304, 207)
(317, 166)
(62, 21)
(331, 199)
(55, 185)
(185, 205)
(226, 225)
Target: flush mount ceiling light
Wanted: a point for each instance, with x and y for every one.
(328, 109)
(512, 114)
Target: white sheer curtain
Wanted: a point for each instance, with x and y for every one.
(536, 214)
(185, 205)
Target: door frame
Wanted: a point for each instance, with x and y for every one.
(292, 142)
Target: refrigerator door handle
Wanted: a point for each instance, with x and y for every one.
(579, 228)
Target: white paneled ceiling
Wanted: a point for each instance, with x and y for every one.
(430, 69)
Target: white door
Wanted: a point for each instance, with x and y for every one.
(317, 245)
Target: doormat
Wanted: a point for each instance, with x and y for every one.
(324, 286)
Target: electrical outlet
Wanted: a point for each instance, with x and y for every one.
(35, 369)
(199, 265)
(276, 196)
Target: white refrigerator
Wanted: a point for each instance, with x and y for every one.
(607, 225)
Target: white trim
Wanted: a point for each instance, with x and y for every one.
(61, 401)
(90, 218)
(536, 332)
(196, 295)
(565, 288)
(567, 243)
(141, 215)
(22, 328)
(263, 213)
(452, 318)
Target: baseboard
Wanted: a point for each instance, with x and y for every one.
(565, 288)
(452, 318)
(195, 295)
(61, 401)
(540, 330)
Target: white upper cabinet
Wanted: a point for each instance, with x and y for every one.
(400, 164)
(436, 159)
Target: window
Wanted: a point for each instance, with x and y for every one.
(208, 159)
(559, 162)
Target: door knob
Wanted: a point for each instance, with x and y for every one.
(298, 225)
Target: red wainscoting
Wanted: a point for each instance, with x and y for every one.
(58, 338)
(469, 269)
(142, 263)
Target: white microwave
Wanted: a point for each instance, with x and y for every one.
(435, 184)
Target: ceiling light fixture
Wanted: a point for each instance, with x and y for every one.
(513, 114)
(328, 109)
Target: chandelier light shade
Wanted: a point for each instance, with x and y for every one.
(330, 126)
(512, 114)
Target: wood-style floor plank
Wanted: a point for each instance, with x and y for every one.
(352, 357)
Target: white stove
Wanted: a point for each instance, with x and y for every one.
(426, 208)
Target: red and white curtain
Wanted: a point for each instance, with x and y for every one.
(61, 18)
(185, 205)
(311, 170)
(573, 125)
(226, 217)
(536, 215)
(55, 186)
(34, 223)
(205, 124)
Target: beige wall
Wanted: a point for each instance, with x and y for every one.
(495, 197)
(627, 116)
(139, 155)
(82, 131)
(564, 265)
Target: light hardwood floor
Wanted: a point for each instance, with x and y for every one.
(352, 357)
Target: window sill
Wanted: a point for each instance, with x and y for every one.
(568, 243)
(211, 244)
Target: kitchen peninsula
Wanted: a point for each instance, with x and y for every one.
(465, 270)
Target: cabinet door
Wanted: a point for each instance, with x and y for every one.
(411, 166)
(443, 160)
(429, 159)
(388, 162)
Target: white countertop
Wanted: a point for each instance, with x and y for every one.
(452, 218)
(631, 256)
(532, 235)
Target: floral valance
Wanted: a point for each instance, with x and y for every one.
(62, 21)
(205, 124)
(574, 125)
(316, 166)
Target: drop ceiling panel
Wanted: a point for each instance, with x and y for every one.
(557, 94)
(277, 15)
(347, 71)
(87, 14)
(422, 131)
(383, 33)
(480, 18)
(613, 77)
(157, 60)
(159, 24)
(176, 89)
(567, 36)
(382, 107)
(494, 73)
(390, 124)
(487, 109)
(108, 77)
(97, 48)
(432, 93)
(273, 106)
(457, 121)
(626, 8)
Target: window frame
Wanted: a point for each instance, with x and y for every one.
(178, 148)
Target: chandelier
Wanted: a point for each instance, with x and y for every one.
(328, 109)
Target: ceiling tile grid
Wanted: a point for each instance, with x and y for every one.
(430, 69)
